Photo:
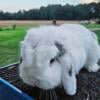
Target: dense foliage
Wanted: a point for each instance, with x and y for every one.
(66, 12)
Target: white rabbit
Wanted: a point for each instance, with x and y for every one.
(53, 55)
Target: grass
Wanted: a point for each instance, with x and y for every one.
(10, 39)
(9, 44)
(93, 26)
(98, 34)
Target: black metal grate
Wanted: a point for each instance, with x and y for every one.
(88, 86)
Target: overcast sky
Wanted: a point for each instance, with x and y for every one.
(15, 5)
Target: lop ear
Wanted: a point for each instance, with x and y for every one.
(69, 81)
(60, 48)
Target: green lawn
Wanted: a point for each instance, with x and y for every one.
(93, 26)
(98, 34)
(9, 44)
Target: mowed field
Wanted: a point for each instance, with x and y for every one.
(10, 38)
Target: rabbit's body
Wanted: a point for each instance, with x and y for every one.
(53, 55)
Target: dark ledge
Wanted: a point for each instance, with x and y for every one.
(88, 86)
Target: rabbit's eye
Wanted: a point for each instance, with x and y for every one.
(52, 60)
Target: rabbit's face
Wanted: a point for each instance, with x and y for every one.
(42, 66)
(47, 67)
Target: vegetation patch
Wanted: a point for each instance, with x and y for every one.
(93, 26)
(10, 39)
(9, 45)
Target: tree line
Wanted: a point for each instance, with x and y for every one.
(58, 12)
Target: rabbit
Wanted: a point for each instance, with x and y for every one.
(54, 55)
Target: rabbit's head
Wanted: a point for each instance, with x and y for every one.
(40, 65)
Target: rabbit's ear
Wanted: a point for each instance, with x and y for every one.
(60, 48)
(69, 81)
(71, 71)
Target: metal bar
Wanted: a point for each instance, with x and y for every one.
(10, 65)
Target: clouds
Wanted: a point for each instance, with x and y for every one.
(89, 1)
(98, 0)
(15, 5)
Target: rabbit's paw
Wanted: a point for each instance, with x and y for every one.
(93, 68)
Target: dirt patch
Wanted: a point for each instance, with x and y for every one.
(33, 22)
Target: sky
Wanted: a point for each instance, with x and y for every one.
(15, 5)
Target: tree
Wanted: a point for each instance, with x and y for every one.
(59, 12)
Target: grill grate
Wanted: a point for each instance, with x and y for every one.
(88, 86)
(48, 95)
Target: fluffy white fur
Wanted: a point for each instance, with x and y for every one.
(53, 55)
